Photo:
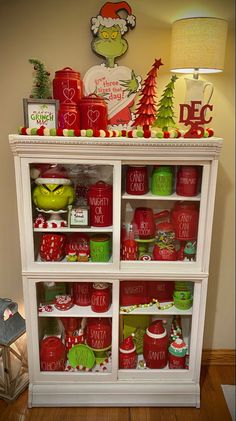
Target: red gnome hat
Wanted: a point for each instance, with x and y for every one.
(109, 17)
(127, 346)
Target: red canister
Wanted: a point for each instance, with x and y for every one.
(52, 354)
(82, 293)
(68, 116)
(137, 180)
(100, 202)
(177, 354)
(184, 218)
(127, 356)
(93, 113)
(155, 345)
(67, 86)
(101, 297)
(187, 181)
(98, 334)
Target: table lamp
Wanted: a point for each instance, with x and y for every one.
(198, 46)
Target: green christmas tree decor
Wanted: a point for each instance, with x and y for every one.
(165, 112)
(41, 85)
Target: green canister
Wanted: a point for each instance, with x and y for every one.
(162, 181)
(100, 248)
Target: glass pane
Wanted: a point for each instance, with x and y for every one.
(160, 212)
(72, 212)
(75, 326)
(155, 324)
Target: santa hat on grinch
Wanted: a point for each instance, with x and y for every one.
(54, 176)
(109, 17)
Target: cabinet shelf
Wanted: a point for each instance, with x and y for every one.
(150, 196)
(154, 311)
(67, 229)
(75, 311)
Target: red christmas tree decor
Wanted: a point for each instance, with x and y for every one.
(146, 110)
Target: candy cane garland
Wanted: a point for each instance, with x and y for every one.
(152, 303)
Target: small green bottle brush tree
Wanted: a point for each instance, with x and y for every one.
(165, 112)
(41, 85)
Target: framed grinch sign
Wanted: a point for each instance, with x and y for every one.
(40, 112)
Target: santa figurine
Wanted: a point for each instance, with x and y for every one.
(128, 355)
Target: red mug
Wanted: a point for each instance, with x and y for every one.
(144, 222)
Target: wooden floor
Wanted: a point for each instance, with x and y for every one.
(213, 406)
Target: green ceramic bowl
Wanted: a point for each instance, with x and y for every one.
(183, 304)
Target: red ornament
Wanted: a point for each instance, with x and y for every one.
(127, 355)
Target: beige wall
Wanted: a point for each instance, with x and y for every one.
(58, 33)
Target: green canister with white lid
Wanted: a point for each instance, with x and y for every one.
(162, 180)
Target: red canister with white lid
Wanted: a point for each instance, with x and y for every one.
(155, 345)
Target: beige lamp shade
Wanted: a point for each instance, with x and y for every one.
(198, 44)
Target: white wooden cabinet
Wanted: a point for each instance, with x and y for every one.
(115, 387)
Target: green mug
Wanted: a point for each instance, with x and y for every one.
(100, 248)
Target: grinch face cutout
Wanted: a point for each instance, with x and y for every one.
(109, 44)
(108, 28)
(117, 85)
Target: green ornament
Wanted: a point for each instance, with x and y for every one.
(70, 132)
(140, 133)
(34, 131)
(160, 135)
(89, 133)
(53, 132)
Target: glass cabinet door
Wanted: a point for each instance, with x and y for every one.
(156, 325)
(161, 215)
(71, 211)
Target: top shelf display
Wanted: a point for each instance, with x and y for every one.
(116, 205)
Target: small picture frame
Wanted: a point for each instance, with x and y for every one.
(78, 217)
(40, 112)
